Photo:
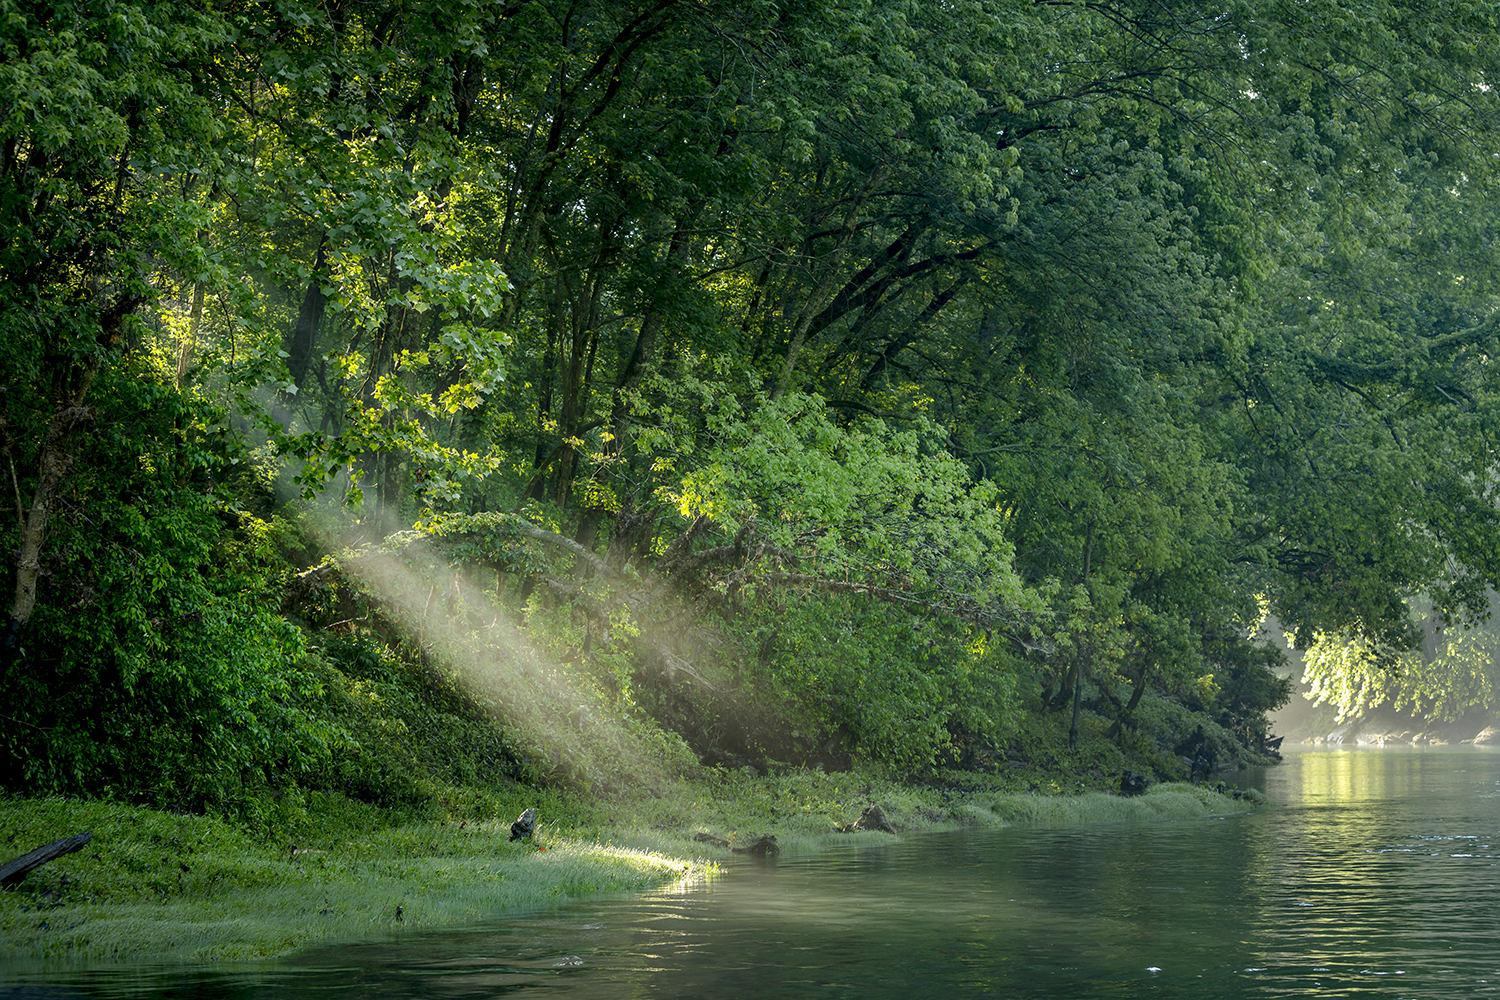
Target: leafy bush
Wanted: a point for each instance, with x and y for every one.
(893, 684)
(153, 667)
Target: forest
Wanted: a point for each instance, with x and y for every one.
(399, 395)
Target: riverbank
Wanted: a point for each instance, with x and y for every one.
(153, 885)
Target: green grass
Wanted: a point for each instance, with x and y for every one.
(165, 886)
(154, 884)
(1160, 802)
(802, 808)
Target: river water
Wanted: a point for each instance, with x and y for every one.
(1373, 875)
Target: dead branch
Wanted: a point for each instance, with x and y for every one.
(16, 871)
(555, 540)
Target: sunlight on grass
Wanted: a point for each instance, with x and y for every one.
(194, 887)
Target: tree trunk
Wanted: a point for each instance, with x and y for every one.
(304, 335)
(70, 387)
(1077, 698)
(1064, 693)
(54, 462)
(1125, 714)
(815, 302)
(645, 346)
(1086, 653)
(190, 343)
(582, 344)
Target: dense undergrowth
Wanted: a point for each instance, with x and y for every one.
(469, 658)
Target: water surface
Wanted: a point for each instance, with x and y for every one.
(1374, 875)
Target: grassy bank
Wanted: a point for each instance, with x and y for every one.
(198, 888)
(154, 884)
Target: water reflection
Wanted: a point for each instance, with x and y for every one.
(1384, 854)
(1376, 875)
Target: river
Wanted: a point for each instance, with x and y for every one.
(1373, 875)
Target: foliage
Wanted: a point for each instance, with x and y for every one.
(893, 687)
(1451, 674)
(155, 670)
(401, 732)
(106, 144)
(1000, 359)
(858, 501)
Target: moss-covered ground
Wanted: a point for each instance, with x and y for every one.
(158, 885)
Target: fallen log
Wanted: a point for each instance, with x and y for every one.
(16, 871)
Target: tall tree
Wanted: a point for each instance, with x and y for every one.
(103, 143)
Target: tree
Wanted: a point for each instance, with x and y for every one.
(1452, 673)
(103, 147)
(1150, 314)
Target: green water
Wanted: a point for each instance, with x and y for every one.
(1374, 875)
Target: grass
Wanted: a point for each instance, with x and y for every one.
(154, 884)
(1160, 802)
(199, 888)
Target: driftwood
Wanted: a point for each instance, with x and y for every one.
(16, 871)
